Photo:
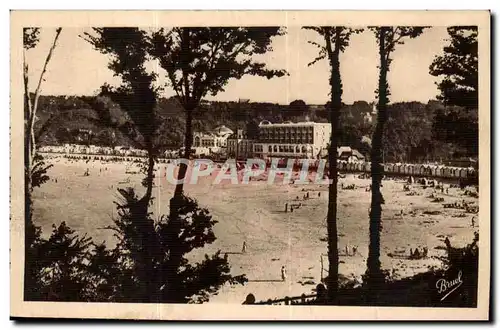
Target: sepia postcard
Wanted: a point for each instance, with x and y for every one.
(250, 165)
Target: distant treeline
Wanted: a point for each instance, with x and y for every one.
(416, 132)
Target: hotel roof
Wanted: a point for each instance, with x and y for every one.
(290, 124)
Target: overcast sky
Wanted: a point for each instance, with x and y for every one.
(77, 69)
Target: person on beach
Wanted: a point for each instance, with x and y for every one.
(283, 273)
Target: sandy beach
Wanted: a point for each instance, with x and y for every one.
(255, 213)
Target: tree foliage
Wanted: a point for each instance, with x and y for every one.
(459, 68)
(151, 250)
(458, 122)
(137, 95)
(297, 108)
(199, 61)
(31, 37)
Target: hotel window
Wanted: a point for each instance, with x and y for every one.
(303, 149)
(281, 148)
(270, 149)
(275, 148)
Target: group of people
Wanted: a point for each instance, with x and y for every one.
(417, 254)
(292, 207)
(352, 251)
(349, 186)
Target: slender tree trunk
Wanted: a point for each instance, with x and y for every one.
(150, 172)
(336, 104)
(188, 144)
(29, 230)
(29, 154)
(153, 277)
(375, 277)
(32, 118)
(175, 256)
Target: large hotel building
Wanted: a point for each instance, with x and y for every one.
(285, 140)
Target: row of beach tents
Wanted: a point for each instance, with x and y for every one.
(427, 170)
(431, 170)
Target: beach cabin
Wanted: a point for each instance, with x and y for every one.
(434, 170)
(355, 166)
(428, 170)
(398, 168)
(441, 171)
(360, 166)
(368, 167)
(411, 169)
(406, 169)
(421, 170)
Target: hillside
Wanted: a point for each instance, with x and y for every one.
(412, 129)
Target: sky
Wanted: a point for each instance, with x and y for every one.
(78, 69)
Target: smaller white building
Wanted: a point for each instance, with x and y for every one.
(211, 143)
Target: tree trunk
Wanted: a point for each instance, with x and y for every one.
(146, 238)
(375, 277)
(188, 144)
(154, 277)
(29, 154)
(175, 256)
(29, 230)
(336, 104)
(32, 118)
(150, 172)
